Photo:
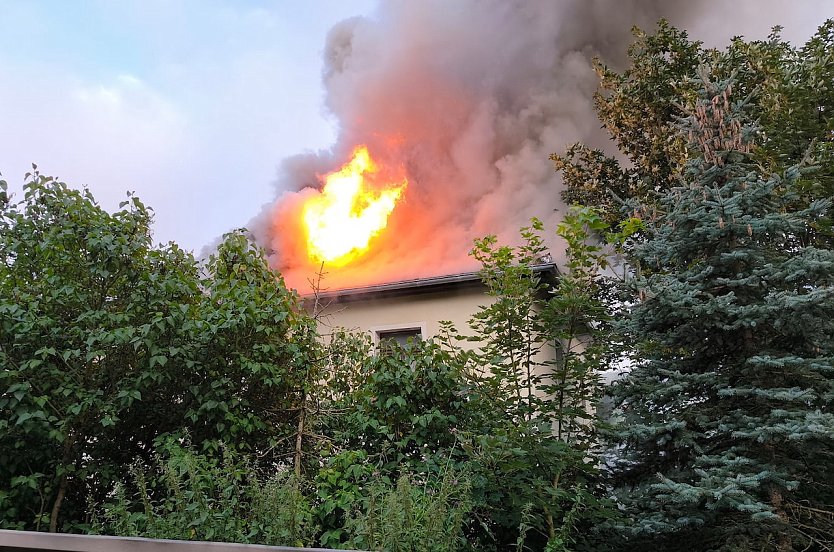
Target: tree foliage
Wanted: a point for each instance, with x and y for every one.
(721, 212)
(406, 412)
(790, 95)
(535, 366)
(186, 495)
(108, 343)
(729, 421)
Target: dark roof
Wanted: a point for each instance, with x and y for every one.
(419, 286)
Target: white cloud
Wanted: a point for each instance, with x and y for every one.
(112, 136)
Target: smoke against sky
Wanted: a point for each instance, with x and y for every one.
(471, 97)
(195, 104)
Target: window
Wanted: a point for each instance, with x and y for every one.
(387, 338)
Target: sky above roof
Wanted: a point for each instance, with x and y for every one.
(192, 104)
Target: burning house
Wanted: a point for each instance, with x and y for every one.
(446, 114)
(341, 225)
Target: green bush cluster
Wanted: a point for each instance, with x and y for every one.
(116, 352)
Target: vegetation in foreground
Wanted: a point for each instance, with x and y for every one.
(143, 393)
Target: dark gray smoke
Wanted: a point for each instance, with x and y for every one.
(471, 97)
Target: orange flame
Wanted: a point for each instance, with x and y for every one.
(341, 221)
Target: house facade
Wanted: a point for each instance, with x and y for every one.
(407, 309)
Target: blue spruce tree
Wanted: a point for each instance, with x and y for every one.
(726, 440)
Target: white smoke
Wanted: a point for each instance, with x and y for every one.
(472, 97)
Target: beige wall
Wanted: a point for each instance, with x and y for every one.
(424, 310)
(420, 310)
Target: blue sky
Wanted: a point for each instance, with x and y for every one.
(189, 103)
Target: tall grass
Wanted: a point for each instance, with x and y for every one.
(188, 496)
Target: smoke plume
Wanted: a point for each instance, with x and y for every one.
(470, 98)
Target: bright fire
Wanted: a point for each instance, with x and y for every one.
(342, 220)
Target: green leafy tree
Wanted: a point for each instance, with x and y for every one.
(791, 98)
(509, 333)
(407, 410)
(85, 304)
(341, 486)
(534, 463)
(638, 108)
(578, 320)
(727, 438)
(108, 343)
(251, 355)
(386, 415)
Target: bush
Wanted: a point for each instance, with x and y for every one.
(188, 496)
(413, 517)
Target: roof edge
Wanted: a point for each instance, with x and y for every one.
(416, 286)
